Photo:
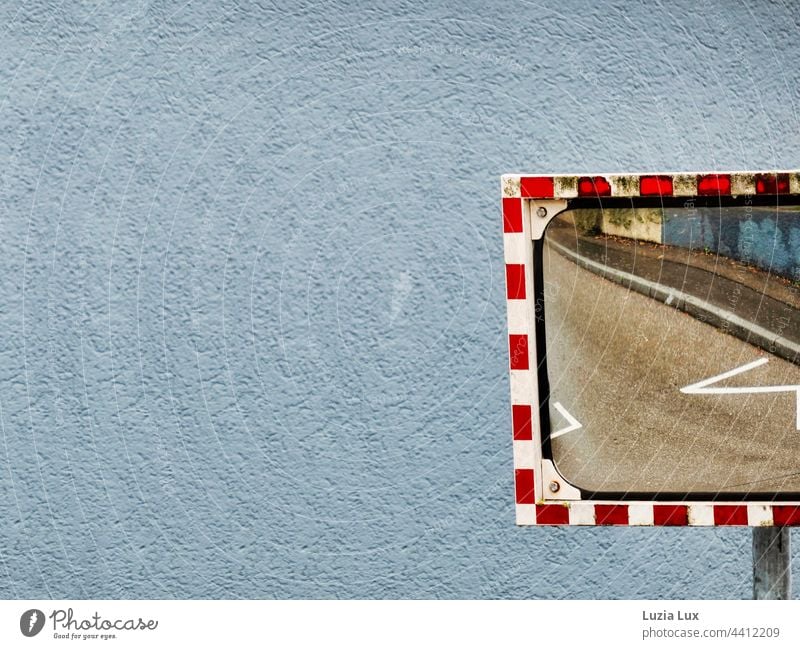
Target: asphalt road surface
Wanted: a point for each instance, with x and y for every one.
(617, 361)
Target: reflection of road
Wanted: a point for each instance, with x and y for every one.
(617, 361)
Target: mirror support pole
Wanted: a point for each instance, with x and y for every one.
(772, 563)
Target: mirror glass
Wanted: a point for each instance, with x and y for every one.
(673, 349)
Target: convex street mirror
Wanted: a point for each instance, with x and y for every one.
(654, 343)
(672, 337)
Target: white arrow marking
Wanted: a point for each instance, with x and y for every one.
(702, 387)
(574, 424)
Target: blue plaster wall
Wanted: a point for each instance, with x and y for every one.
(251, 287)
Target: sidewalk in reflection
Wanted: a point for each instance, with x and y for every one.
(756, 306)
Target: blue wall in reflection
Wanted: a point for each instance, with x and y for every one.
(765, 237)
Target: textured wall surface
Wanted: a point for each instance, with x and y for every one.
(251, 288)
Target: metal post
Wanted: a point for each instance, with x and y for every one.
(772, 567)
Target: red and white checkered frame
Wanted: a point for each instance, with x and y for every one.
(522, 198)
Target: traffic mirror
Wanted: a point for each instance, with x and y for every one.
(654, 340)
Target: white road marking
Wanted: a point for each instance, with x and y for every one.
(574, 424)
(702, 387)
